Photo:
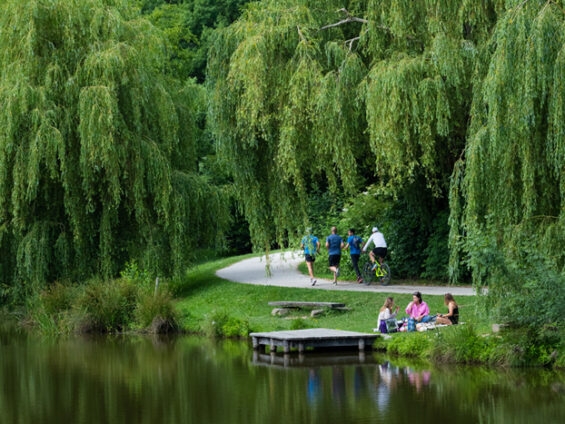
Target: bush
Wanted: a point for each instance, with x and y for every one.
(108, 305)
(151, 306)
(524, 291)
(57, 298)
(221, 324)
(460, 344)
(417, 238)
(411, 344)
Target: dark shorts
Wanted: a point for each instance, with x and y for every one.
(334, 260)
(309, 258)
(380, 252)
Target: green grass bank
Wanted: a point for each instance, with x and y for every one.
(210, 305)
(200, 302)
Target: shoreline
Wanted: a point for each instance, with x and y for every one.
(206, 304)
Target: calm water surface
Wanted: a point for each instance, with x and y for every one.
(197, 380)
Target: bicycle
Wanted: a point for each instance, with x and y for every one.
(381, 273)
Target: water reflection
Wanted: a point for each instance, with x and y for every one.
(197, 380)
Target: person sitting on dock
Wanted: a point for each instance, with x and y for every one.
(452, 317)
(386, 313)
(418, 309)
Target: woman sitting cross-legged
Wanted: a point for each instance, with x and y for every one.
(452, 317)
(386, 313)
(418, 309)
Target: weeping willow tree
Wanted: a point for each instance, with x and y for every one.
(343, 93)
(284, 111)
(97, 161)
(508, 191)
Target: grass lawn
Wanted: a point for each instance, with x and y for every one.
(203, 297)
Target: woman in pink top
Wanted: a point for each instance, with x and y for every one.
(418, 309)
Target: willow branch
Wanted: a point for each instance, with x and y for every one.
(351, 41)
(300, 34)
(345, 21)
(348, 19)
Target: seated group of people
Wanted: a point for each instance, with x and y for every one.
(419, 311)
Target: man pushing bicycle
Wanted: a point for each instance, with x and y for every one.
(380, 249)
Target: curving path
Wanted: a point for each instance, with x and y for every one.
(284, 273)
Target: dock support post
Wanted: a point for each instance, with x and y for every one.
(273, 347)
(255, 343)
(286, 346)
(361, 344)
(300, 347)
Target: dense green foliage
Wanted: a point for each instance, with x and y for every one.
(97, 147)
(508, 190)
(102, 307)
(439, 121)
(446, 107)
(188, 26)
(464, 344)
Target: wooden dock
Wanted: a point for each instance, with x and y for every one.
(312, 338)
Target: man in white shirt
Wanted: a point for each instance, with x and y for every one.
(380, 249)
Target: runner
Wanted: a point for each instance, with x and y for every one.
(354, 244)
(334, 243)
(311, 246)
(380, 247)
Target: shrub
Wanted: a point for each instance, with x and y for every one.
(410, 344)
(155, 305)
(108, 305)
(460, 344)
(57, 298)
(523, 292)
(221, 324)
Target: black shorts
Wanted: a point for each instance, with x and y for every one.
(309, 258)
(380, 252)
(334, 260)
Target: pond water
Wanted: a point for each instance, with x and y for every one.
(198, 380)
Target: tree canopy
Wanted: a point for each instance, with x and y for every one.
(420, 109)
(97, 148)
(188, 26)
(342, 95)
(457, 103)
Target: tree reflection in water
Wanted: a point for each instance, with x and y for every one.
(198, 380)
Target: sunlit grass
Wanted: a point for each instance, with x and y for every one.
(203, 295)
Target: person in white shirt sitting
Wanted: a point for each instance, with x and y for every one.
(386, 313)
(380, 249)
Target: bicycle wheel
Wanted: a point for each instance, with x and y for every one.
(385, 279)
(368, 274)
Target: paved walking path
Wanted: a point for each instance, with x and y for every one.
(284, 273)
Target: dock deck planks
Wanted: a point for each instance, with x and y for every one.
(313, 337)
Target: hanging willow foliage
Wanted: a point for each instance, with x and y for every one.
(303, 92)
(97, 161)
(284, 110)
(512, 178)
